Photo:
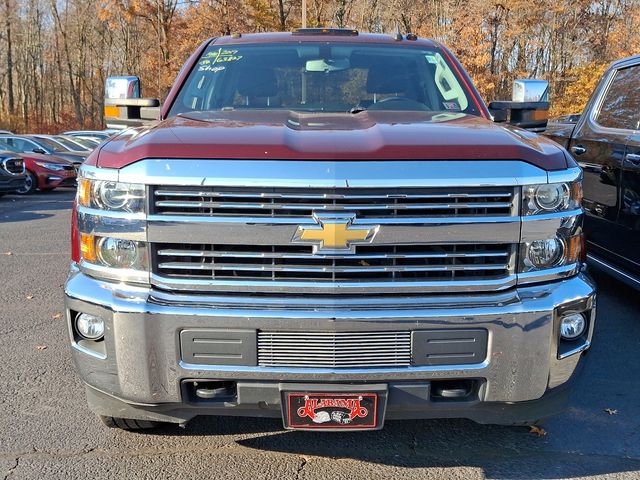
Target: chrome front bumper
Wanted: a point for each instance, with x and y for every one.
(141, 361)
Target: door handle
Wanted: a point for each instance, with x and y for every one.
(633, 158)
(578, 149)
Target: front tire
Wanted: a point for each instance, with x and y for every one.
(30, 185)
(129, 423)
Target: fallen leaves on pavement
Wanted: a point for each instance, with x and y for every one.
(611, 411)
(539, 431)
(56, 316)
(41, 347)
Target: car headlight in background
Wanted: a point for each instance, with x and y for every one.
(113, 252)
(111, 196)
(551, 197)
(56, 167)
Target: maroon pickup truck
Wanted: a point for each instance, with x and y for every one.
(333, 229)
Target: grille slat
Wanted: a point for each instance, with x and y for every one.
(302, 268)
(337, 350)
(292, 202)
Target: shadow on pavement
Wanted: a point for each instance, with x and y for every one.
(19, 208)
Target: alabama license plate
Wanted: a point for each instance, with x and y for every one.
(337, 411)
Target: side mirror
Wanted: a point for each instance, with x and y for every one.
(530, 90)
(38, 150)
(123, 105)
(529, 107)
(122, 87)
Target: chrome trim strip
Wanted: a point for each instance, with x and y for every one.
(88, 351)
(332, 174)
(548, 275)
(95, 173)
(569, 175)
(584, 346)
(115, 274)
(290, 302)
(507, 230)
(370, 287)
(456, 370)
(112, 224)
(543, 226)
(308, 220)
(304, 256)
(324, 268)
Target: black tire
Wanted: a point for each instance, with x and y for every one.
(129, 423)
(30, 186)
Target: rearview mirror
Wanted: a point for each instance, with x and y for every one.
(322, 65)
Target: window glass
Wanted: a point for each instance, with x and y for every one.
(621, 104)
(52, 145)
(323, 77)
(21, 144)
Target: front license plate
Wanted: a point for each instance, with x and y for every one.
(331, 410)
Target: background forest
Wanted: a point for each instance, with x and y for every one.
(56, 54)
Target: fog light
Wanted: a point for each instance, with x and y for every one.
(90, 326)
(572, 326)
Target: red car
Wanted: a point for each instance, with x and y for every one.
(45, 172)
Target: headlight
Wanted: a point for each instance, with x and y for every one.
(551, 197)
(51, 166)
(112, 196)
(551, 252)
(114, 252)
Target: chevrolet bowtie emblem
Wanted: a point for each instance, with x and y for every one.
(335, 233)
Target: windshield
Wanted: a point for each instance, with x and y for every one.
(323, 77)
(55, 146)
(70, 145)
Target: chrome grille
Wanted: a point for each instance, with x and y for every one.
(383, 263)
(334, 349)
(14, 165)
(365, 203)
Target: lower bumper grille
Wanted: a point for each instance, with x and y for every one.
(334, 349)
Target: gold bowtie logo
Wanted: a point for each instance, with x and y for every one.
(335, 234)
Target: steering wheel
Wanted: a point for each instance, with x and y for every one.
(409, 104)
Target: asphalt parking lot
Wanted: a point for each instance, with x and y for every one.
(48, 432)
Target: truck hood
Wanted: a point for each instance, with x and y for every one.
(369, 135)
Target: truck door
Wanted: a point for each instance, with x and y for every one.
(599, 146)
(630, 205)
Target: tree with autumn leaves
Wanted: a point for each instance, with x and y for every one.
(55, 55)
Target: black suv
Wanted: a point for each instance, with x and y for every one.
(606, 143)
